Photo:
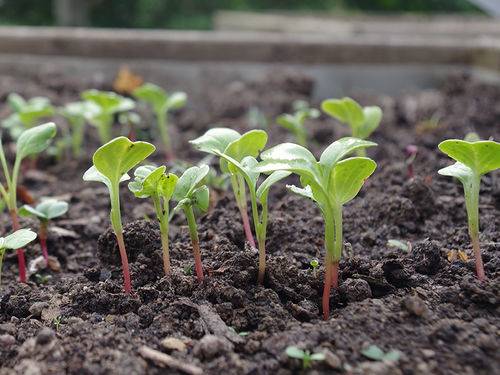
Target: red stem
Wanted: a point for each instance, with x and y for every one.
(479, 260)
(246, 227)
(411, 174)
(335, 275)
(20, 252)
(197, 260)
(127, 285)
(43, 241)
(327, 287)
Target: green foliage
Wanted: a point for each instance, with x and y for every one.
(295, 122)
(304, 355)
(109, 104)
(362, 120)
(401, 245)
(76, 114)
(46, 210)
(473, 160)
(14, 241)
(161, 103)
(26, 113)
(152, 182)
(30, 142)
(373, 352)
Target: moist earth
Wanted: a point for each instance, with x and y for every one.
(420, 300)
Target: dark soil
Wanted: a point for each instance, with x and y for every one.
(432, 310)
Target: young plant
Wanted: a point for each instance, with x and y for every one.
(30, 142)
(152, 182)
(304, 355)
(259, 195)
(109, 104)
(330, 182)
(14, 241)
(162, 103)
(362, 120)
(26, 113)
(228, 142)
(76, 113)
(189, 193)
(411, 152)
(295, 123)
(45, 211)
(473, 160)
(112, 161)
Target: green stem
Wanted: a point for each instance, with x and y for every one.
(104, 126)
(78, 125)
(6, 172)
(193, 232)
(472, 205)
(238, 184)
(162, 118)
(2, 252)
(162, 215)
(302, 137)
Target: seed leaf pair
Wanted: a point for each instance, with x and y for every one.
(295, 123)
(14, 241)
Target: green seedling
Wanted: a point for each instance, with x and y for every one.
(305, 356)
(225, 141)
(362, 120)
(152, 182)
(132, 121)
(45, 211)
(57, 322)
(374, 353)
(14, 241)
(162, 103)
(401, 245)
(259, 195)
(314, 263)
(189, 193)
(109, 104)
(42, 279)
(295, 123)
(112, 161)
(30, 142)
(76, 114)
(331, 182)
(26, 113)
(256, 118)
(473, 160)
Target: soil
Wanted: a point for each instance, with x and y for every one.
(418, 302)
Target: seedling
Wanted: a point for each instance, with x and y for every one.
(401, 245)
(225, 141)
(304, 355)
(295, 123)
(330, 182)
(112, 161)
(362, 120)
(473, 160)
(30, 142)
(45, 211)
(314, 263)
(109, 104)
(14, 241)
(130, 120)
(411, 152)
(76, 113)
(190, 192)
(162, 103)
(374, 353)
(26, 113)
(42, 279)
(154, 183)
(256, 118)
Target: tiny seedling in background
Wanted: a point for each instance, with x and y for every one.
(228, 142)
(162, 103)
(30, 142)
(473, 160)
(26, 113)
(330, 182)
(374, 353)
(14, 241)
(152, 182)
(411, 152)
(259, 195)
(401, 245)
(257, 118)
(305, 356)
(131, 121)
(45, 211)
(109, 104)
(75, 114)
(362, 120)
(112, 161)
(314, 263)
(189, 193)
(295, 123)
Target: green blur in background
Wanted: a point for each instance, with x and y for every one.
(197, 14)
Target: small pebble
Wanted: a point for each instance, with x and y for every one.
(37, 308)
(45, 336)
(415, 305)
(211, 346)
(173, 343)
(332, 360)
(356, 290)
(7, 340)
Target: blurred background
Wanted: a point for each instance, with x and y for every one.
(200, 14)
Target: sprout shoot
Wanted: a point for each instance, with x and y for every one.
(304, 355)
(296, 123)
(14, 241)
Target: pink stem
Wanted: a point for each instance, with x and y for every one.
(246, 227)
(125, 268)
(20, 252)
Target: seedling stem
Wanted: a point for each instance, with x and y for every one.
(193, 233)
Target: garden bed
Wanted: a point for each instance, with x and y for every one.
(431, 309)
